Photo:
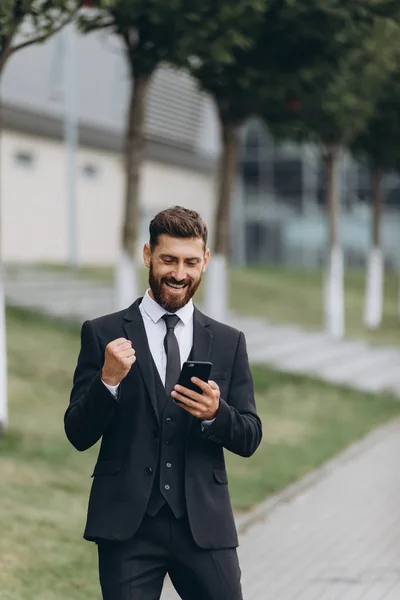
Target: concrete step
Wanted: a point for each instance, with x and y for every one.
(276, 352)
(58, 288)
(321, 355)
(366, 363)
(386, 378)
(272, 343)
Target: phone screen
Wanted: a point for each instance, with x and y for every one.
(193, 368)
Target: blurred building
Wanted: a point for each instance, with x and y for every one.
(181, 151)
(279, 208)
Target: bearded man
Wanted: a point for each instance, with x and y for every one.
(159, 501)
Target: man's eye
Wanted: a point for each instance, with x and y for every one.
(168, 261)
(192, 263)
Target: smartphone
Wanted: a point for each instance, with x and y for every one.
(194, 368)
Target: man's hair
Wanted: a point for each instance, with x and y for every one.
(177, 222)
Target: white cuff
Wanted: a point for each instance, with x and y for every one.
(112, 388)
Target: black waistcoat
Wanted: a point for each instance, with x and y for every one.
(169, 480)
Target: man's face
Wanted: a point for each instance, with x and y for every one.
(175, 269)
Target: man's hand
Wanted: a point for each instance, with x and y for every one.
(202, 406)
(119, 357)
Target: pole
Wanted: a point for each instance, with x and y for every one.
(3, 343)
(71, 138)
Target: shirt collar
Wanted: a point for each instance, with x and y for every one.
(155, 311)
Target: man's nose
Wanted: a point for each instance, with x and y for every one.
(180, 273)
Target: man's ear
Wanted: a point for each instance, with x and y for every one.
(206, 258)
(147, 255)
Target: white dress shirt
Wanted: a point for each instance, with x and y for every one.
(156, 329)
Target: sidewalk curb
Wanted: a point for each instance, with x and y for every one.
(265, 508)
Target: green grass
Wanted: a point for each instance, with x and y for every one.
(305, 422)
(44, 482)
(294, 295)
(289, 295)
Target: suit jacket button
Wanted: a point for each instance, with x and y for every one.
(168, 420)
(148, 470)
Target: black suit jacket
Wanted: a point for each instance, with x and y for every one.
(129, 429)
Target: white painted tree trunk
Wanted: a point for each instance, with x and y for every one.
(334, 294)
(374, 290)
(216, 289)
(398, 302)
(3, 362)
(126, 282)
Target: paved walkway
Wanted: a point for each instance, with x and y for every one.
(335, 535)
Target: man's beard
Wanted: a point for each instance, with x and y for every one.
(169, 301)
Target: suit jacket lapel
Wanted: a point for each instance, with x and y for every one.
(202, 336)
(136, 332)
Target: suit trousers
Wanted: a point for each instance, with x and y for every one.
(135, 569)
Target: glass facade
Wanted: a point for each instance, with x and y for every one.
(279, 211)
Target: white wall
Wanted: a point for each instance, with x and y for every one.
(164, 186)
(176, 111)
(34, 204)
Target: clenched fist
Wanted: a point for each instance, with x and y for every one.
(119, 358)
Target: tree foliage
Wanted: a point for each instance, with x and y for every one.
(379, 143)
(156, 31)
(294, 45)
(26, 22)
(337, 96)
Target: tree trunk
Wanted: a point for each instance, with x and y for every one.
(216, 281)
(226, 181)
(398, 302)
(3, 60)
(332, 193)
(334, 285)
(374, 291)
(3, 346)
(126, 281)
(5, 54)
(377, 177)
(126, 278)
(3, 360)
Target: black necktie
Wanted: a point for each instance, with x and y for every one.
(172, 351)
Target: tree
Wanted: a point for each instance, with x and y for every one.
(154, 33)
(232, 86)
(335, 97)
(23, 23)
(338, 108)
(292, 42)
(379, 146)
